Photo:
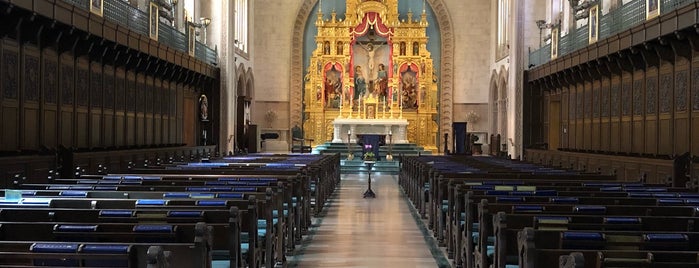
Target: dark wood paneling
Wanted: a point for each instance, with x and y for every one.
(49, 88)
(651, 111)
(10, 95)
(29, 98)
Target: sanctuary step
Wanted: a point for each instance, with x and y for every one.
(357, 165)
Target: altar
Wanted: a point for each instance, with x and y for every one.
(354, 126)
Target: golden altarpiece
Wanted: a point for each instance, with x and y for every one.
(372, 65)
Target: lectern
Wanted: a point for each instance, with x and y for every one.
(370, 143)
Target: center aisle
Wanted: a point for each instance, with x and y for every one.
(358, 232)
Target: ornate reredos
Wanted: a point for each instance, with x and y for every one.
(410, 30)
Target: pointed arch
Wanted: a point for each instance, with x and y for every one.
(502, 102)
(240, 81)
(250, 83)
(446, 29)
(493, 102)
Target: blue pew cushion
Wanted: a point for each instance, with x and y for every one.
(105, 249)
(105, 188)
(527, 208)
(153, 228)
(117, 213)
(151, 202)
(582, 236)
(73, 193)
(175, 195)
(54, 247)
(622, 220)
(666, 237)
(670, 202)
(212, 203)
(229, 195)
(590, 209)
(509, 199)
(564, 200)
(185, 214)
(75, 228)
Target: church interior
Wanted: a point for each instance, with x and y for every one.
(349, 133)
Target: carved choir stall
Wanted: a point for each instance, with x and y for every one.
(371, 69)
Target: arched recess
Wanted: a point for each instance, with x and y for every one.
(446, 79)
(240, 81)
(493, 103)
(502, 102)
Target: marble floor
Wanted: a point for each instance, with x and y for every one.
(358, 232)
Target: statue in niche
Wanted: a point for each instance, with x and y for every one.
(402, 49)
(326, 48)
(203, 107)
(339, 47)
(416, 49)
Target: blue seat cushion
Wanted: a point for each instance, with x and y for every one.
(75, 228)
(622, 220)
(582, 236)
(105, 249)
(666, 237)
(54, 247)
(153, 228)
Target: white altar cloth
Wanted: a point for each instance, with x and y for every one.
(397, 127)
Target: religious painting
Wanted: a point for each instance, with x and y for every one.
(409, 87)
(96, 7)
(359, 85)
(153, 22)
(191, 39)
(371, 110)
(203, 108)
(652, 9)
(554, 43)
(333, 85)
(593, 24)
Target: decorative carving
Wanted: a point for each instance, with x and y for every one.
(681, 91)
(665, 93)
(96, 89)
(595, 102)
(615, 100)
(82, 87)
(9, 80)
(31, 78)
(695, 89)
(626, 99)
(605, 101)
(108, 91)
(638, 97)
(651, 92)
(50, 81)
(67, 79)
